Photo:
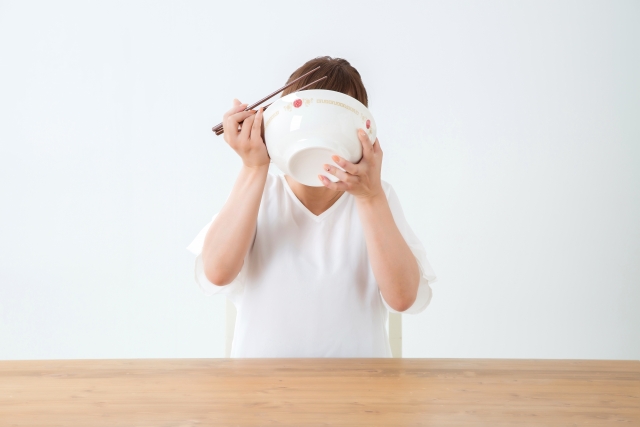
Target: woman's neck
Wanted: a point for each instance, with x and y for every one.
(316, 199)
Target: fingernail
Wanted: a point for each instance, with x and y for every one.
(326, 167)
(335, 158)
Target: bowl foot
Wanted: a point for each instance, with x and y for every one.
(306, 164)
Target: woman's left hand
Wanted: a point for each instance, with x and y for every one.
(361, 179)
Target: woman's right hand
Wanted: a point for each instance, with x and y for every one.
(247, 141)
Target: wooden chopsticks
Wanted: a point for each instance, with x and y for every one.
(219, 129)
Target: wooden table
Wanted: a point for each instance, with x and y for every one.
(319, 392)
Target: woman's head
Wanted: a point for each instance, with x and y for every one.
(341, 77)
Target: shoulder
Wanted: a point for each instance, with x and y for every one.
(273, 178)
(273, 185)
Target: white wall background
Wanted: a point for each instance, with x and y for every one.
(511, 132)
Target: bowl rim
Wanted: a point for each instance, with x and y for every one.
(273, 107)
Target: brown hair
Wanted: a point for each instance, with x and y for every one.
(341, 77)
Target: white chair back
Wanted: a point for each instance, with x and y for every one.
(394, 330)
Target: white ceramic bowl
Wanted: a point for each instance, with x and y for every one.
(302, 130)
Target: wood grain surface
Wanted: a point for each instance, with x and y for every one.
(319, 392)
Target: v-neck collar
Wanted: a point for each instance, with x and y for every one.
(297, 201)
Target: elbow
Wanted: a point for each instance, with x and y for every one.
(401, 304)
(218, 276)
(216, 272)
(404, 304)
(409, 299)
(405, 301)
(218, 279)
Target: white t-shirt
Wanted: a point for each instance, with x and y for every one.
(306, 288)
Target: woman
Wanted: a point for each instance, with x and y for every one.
(312, 271)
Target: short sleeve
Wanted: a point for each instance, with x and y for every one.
(233, 290)
(427, 275)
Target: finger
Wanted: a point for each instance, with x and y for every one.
(367, 148)
(376, 147)
(236, 108)
(245, 133)
(337, 186)
(239, 117)
(231, 123)
(339, 173)
(235, 121)
(256, 128)
(231, 129)
(346, 165)
(352, 168)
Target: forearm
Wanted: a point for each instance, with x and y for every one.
(394, 266)
(232, 230)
